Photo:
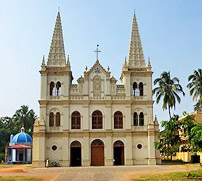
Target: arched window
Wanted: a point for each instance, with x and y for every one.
(57, 119)
(51, 119)
(118, 144)
(135, 119)
(97, 142)
(118, 120)
(97, 120)
(134, 88)
(141, 89)
(58, 89)
(141, 119)
(52, 85)
(76, 120)
(75, 144)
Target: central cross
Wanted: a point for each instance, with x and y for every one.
(97, 51)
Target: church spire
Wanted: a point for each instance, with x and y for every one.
(56, 55)
(136, 55)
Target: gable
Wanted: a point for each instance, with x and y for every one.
(97, 69)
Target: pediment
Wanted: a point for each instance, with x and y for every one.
(97, 68)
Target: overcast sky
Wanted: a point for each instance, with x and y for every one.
(171, 33)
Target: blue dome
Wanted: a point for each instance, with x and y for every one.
(22, 137)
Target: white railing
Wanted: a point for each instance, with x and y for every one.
(73, 89)
(76, 97)
(120, 89)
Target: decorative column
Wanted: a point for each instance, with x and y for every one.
(157, 152)
(151, 140)
(66, 118)
(108, 150)
(85, 118)
(128, 150)
(128, 119)
(86, 150)
(39, 144)
(108, 117)
(65, 150)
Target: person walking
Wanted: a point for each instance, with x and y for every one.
(47, 162)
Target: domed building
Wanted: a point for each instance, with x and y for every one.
(20, 148)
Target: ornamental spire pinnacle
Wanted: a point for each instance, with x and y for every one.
(135, 55)
(56, 55)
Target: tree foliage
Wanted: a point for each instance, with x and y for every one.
(12, 125)
(170, 141)
(195, 86)
(196, 138)
(168, 89)
(25, 117)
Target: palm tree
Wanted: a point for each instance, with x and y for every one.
(24, 117)
(168, 90)
(195, 86)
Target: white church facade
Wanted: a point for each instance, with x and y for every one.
(96, 121)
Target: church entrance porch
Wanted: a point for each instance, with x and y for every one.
(75, 154)
(97, 153)
(118, 153)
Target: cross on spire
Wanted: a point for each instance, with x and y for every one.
(97, 51)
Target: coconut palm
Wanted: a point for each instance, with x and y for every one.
(168, 90)
(195, 86)
(24, 117)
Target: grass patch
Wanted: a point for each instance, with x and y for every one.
(195, 175)
(18, 178)
(173, 162)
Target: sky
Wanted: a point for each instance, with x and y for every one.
(170, 30)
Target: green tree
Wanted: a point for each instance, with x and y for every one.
(195, 138)
(5, 132)
(24, 117)
(168, 90)
(195, 86)
(186, 123)
(11, 125)
(169, 140)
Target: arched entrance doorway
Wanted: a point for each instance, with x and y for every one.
(118, 153)
(75, 153)
(97, 153)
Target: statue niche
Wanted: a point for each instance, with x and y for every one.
(97, 85)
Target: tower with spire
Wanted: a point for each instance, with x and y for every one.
(56, 55)
(95, 121)
(135, 68)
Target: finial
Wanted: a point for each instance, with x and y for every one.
(151, 120)
(134, 11)
(125, 60)
(156, 120)
(43, 60)
(59, 9)
(86, 69)
(149, 62)
(22, 129)
(108, 69)
(68, 62)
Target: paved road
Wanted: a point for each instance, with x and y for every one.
(121, 173)
(106, 173)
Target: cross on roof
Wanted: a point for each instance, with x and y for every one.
(97, 51)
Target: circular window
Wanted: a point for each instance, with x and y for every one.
(139, 146)
(54, 147)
